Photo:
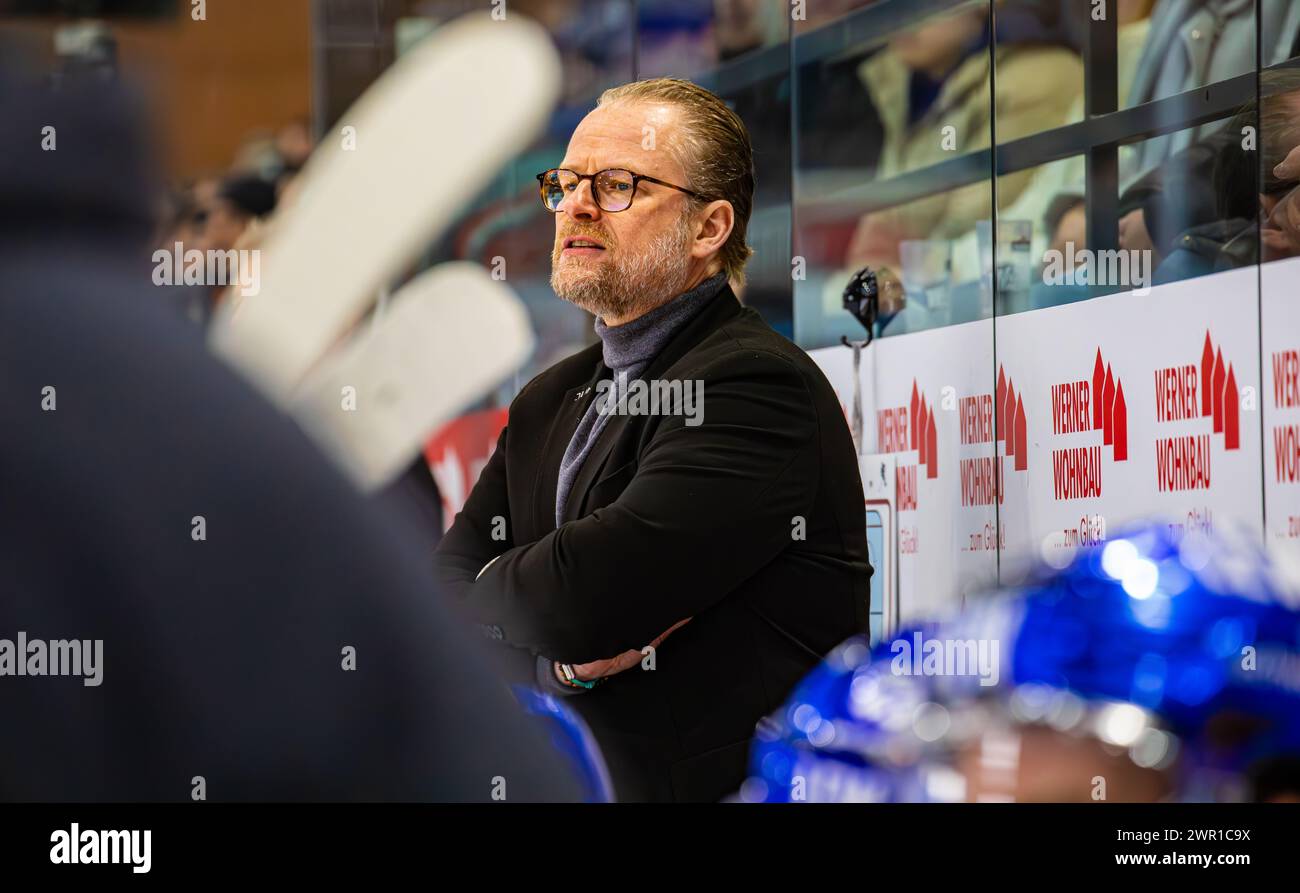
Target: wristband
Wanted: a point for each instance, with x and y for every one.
(571, 678)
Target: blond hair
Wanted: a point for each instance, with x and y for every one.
(713, 148)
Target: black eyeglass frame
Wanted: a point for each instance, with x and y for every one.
(636, 181)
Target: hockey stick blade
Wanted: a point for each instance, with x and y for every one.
(447, 338)
(429, 136)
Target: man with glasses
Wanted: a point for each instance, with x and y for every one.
(728, 514)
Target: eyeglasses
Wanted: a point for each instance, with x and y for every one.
(613, 189)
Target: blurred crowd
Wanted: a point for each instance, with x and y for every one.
(228, 209)
(830, 126)
(905, 99)
(960, 80)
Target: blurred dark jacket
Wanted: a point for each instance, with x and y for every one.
(222, 657)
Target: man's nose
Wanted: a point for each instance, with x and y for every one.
(580, 204)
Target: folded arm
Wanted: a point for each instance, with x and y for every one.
(469, 544)
(709, 505)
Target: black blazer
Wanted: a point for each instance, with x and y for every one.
(751, 523)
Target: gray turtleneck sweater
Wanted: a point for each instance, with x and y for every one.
(628, 350)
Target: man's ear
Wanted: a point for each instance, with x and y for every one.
(714, 226)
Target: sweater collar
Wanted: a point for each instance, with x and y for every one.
(639, 340)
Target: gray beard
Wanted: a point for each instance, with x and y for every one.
(631, 285)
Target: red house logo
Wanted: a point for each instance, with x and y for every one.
(924, 433)
(1221, 400)
(1111, 414)
(1011, 421)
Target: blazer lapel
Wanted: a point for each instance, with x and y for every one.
(573, 404)
(721, 308)
(589, 473)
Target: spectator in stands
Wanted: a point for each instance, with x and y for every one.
(1197, 42)
(181, 222)
(1279, 126)
(240, 200)
(935, 77)
(1242, 201)
(1192, 43)
(293, 145)
(1062, 184)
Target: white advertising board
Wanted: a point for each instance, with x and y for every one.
(1280, 398)
(1091, 415)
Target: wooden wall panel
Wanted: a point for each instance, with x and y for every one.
(210, 83)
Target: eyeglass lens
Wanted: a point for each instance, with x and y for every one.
(612, 188)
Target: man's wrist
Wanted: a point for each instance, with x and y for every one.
(568, 676)
(548, 680)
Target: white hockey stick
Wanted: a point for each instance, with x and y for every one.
(429, 135)
(447, 336)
